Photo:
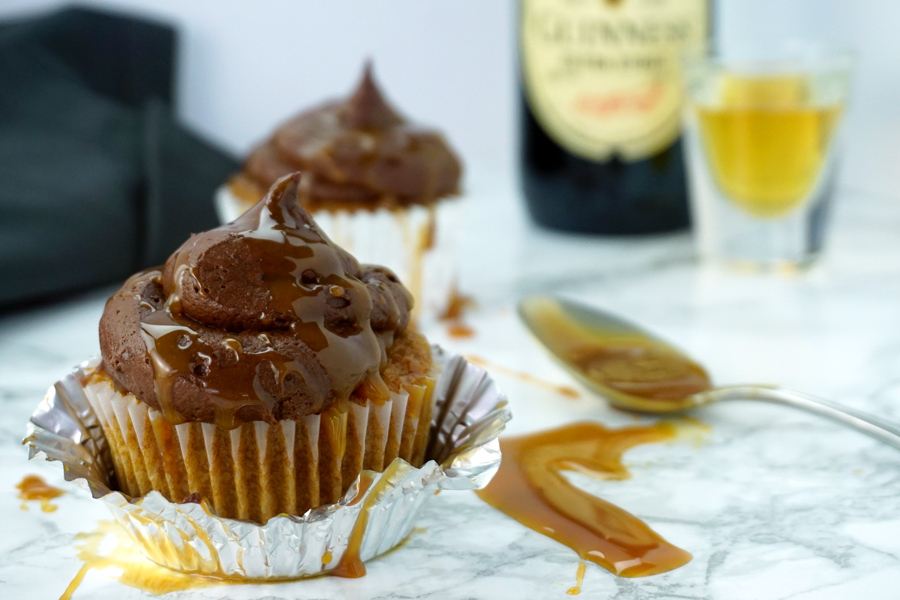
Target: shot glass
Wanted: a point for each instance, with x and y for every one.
(762, 132)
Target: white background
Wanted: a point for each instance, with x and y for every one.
(246, 66)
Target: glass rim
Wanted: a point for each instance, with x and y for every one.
(790, 55)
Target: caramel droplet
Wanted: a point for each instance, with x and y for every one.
(33, 487)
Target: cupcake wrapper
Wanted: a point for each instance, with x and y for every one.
(462, 453)
(417, 242)
(257, 471)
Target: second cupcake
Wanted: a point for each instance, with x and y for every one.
(381, 187)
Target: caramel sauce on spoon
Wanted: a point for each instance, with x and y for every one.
(632, 369)
(530, 487)
(640, 369)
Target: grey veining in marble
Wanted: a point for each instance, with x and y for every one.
(772, 504)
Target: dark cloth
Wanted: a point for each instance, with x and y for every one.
(97, 177)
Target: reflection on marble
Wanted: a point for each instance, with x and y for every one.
(772, 504)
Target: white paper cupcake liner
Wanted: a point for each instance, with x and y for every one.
(418, 243)
(462, 453)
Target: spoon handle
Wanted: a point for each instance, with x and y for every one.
(872, 426)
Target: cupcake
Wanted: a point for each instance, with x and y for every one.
(262, 368)
(383, 188)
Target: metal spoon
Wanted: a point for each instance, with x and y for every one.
(563, 327)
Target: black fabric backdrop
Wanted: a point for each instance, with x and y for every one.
(97, 177)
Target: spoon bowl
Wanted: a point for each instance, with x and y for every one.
(639, 372)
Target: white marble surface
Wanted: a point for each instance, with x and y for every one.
(774, 504)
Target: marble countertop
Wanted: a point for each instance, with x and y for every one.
(772, 503)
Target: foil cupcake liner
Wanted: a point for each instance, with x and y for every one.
(463, 454)
(418, 243)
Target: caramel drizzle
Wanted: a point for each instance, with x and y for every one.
(291, 249)
(351, 564)
(422, 241)
(177, 349)
(530, 487)
(579, 580)
(562, 390)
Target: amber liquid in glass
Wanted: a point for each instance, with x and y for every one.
(766, 142)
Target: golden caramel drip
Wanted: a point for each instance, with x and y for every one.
(351, 565)
(562, 390)
(418, 243)
(531, 488)
(33, 487)
(373, 389)
(579, 580)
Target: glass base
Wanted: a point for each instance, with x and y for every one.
(780, 267)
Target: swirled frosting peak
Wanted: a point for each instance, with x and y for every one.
(359, 152)
(261, 319)
(367, 108)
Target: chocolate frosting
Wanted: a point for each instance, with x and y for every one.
(262, 319)
(358, 151)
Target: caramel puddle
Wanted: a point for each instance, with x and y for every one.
(562, 390)
(530, 488)
(33, 487)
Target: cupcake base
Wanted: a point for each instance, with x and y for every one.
(257, 471)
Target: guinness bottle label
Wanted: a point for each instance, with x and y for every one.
(602, 77)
